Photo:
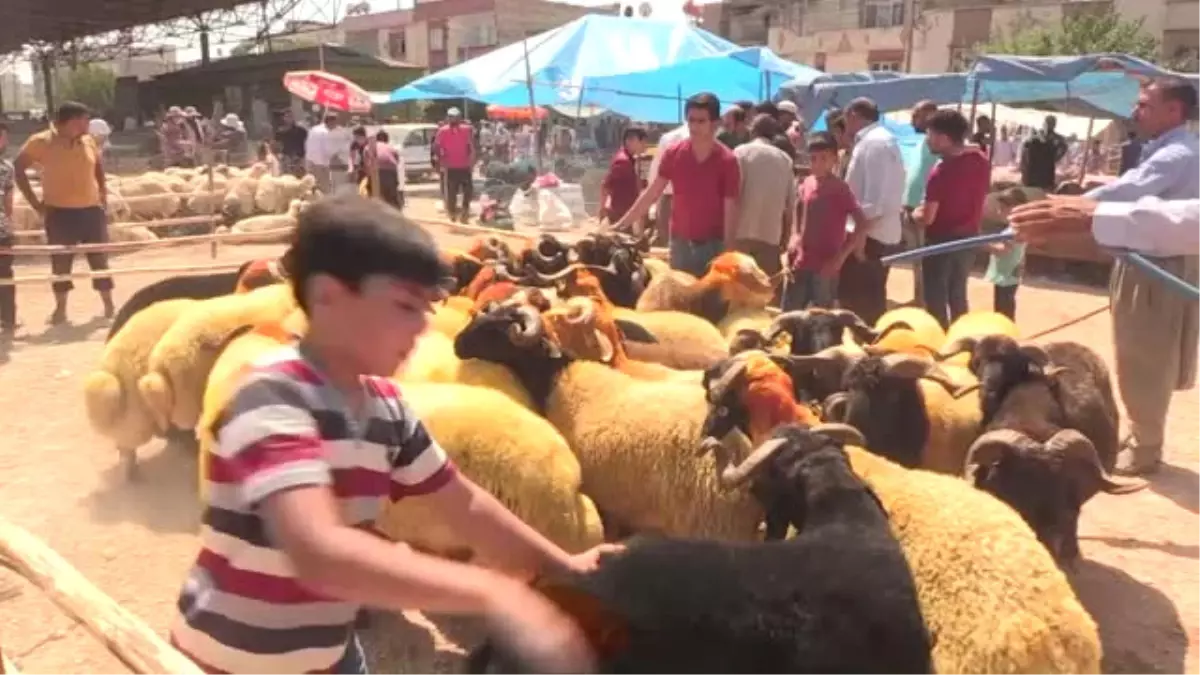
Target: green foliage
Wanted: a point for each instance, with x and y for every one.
(1085, 34)
(91, 85)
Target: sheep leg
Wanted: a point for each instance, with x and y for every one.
(129, 462)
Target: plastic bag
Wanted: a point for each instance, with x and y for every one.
(553, 213)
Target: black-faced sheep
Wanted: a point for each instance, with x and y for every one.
(635, 439)
(991, 595)
(812, 330)
(1047, 412)
(910, 410)
(618, 259)
(838, 597)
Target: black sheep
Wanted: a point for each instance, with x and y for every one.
(813, 330)
(196, 286)
(837, 598)
(1050, 435)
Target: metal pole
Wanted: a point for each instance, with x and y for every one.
(1087, 151)
(679, 99)
(532, 107)
(992, 144)
(974, 103)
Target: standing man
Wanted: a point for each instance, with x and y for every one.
(952, 210)
(705, 176)
(290, 140)
(984, 133)
(1040, 155)
(1155, 329)
(1131, 152)
(174, 140)
(733, 128)
(768, 195)
(327, 151)
(666, 203)
(74, 198)
(914, 194)
(455, 148)
(876, 177)
(621, 185)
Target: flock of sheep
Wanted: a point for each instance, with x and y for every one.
(926, 484)
(249, 198)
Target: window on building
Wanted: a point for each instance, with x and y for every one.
(885, 66)
(397, 47)
(819, 60)
(437, 38)
(882, 13)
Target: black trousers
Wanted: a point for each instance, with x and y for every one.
(459, 180)
(945, 281)
(8, 294)
(1004, 300)
(862, 285)
(69, 227)
(389, 187)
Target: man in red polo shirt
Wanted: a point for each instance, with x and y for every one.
(622, 183)
(455, 147)
(953, 208)
(704, 175)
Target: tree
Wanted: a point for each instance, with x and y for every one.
(1090, 33)
(91, 85)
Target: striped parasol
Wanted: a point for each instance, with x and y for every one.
(327, 89)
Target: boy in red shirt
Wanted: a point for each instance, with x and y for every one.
(953, 208)
(819, 246)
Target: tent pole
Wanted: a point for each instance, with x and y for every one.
(579, 106)
(537, 123)
(992, 144)
(974, 105)
(1087, 151)
(679, 99)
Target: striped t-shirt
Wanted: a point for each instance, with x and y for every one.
(242, 609)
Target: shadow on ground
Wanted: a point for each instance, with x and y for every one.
(162, 497)
(1140, 629)
(1178, 484)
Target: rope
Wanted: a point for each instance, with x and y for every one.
(1070, 322)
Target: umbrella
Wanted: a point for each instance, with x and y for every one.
(327, 89)
(513, 113)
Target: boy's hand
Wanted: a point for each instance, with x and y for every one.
(589, 560)
(539, 631)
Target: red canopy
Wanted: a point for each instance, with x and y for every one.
(327, 89)
(514, 113)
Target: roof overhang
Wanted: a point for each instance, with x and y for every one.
(24, 21)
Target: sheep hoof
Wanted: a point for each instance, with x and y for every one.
(129, 462)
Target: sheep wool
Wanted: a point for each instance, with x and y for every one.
(990, 592)
(523, 462)
(113, 405)
(679, 334)
(923, 336)
(449, 319)
(976, 325)
(752, 318)
(433, 361)
(173, 386)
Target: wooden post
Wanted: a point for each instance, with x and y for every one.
(125, 635)
(208, 154)
(1087, 151)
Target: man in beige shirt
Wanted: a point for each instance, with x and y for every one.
(768, 200)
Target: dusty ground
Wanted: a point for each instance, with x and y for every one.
(134, 541)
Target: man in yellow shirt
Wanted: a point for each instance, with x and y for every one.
(73, 199)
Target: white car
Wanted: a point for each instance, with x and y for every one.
(414, 144)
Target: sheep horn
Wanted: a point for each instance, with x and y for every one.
(956, 347)
(733, 374)
(910, 366)
(783, 322)
(1069, 444)
(1036, 354)
(842, 433)
(581, 310)
(854, 322)
(561, 274)
(556, 246)
(495, 246)
(735, 475)
(897, 325)
(529, 329)
(835, 405)
(991, 447)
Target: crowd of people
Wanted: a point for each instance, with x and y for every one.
(724, 182)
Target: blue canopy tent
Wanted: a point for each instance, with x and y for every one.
(890, 91)
(656, 95)
(559, 60)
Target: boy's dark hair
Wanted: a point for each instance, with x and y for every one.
(382, 136)
(704, 101)
(737, 114)
(764, 126)
(864, 108)
(822, 141)
(768, 108)
(1178, 90)
(635, 132)
(70, 110)
(949, 123)
(748, 106)
(351, 238)
(359, 131)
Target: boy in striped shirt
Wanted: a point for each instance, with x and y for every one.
(308, 450)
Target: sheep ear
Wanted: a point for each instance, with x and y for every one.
(635, 332)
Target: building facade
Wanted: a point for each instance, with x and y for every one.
(856, 35)
(435, 34)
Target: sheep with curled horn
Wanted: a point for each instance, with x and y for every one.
(617, 259)
(971, 327)
(1050, 435)
(816, 329)
(910, 410)
(545, 255)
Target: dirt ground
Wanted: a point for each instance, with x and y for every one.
(61, 481)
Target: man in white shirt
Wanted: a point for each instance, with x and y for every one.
(1150, 225)
(877, 179)
(327, 153)
(663, 213)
